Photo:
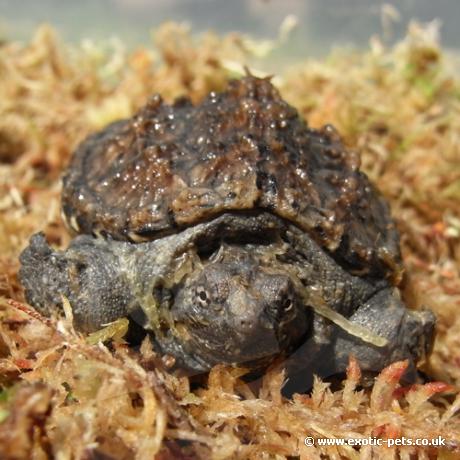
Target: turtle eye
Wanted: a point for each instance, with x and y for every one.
(287, 304)
(202, 296)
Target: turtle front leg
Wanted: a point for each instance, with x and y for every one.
(88, 274)
(408, 333)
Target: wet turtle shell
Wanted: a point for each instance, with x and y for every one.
(243, 150)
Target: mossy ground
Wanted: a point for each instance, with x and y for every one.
(61, 397)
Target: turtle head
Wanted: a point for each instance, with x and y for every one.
(235, 310)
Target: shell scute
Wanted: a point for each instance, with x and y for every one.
(173, 166)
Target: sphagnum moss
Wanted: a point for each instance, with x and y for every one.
(64, 398)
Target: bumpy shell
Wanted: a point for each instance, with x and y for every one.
(246, 149)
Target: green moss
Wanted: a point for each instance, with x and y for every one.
(4, 415)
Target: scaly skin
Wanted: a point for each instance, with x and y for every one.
(233, 233)
(209, 297)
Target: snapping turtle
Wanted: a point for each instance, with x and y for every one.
(233, 233)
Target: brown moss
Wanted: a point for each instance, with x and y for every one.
(61, 397)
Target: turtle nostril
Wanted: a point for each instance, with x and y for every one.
(244, 324)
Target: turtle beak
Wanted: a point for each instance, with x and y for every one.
(254, 329)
